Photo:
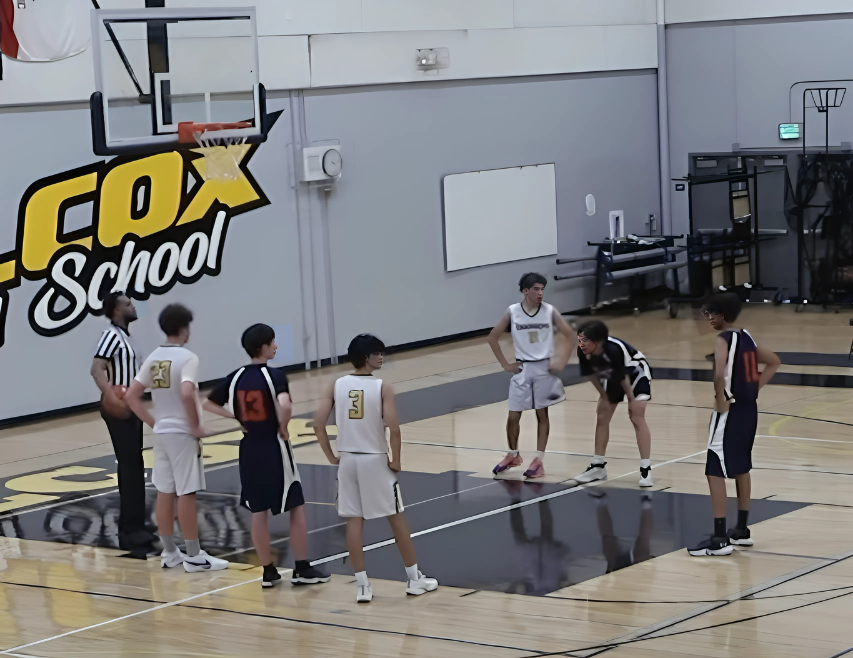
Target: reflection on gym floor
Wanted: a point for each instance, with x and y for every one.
(551, 536)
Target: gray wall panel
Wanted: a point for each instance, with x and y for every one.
(399, 142)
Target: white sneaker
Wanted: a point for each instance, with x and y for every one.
(646, 477)
(169, 560)
(421, 586)
(593, 473)
(365, 594)
(204, 562)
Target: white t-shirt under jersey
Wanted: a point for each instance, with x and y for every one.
(163, 372)
(532, 335)
(358, 414)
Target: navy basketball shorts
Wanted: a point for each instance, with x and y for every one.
(616, 394)
(730, 440)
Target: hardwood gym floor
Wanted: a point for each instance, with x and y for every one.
(526, 569)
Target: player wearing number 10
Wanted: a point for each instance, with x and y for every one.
(367, 479)
(737, 382)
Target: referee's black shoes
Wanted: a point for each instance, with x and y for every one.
(137, 540)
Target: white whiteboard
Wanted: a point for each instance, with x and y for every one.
(499, 215)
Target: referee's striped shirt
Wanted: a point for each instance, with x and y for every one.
(116, 349)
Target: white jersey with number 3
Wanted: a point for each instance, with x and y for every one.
(532, 335)
(358, 414)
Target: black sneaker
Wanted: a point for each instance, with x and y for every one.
(271, 576)
(305, 574)
(740, 537)
(712, 546)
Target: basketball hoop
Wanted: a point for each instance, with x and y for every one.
(215, 141)
(827, 97)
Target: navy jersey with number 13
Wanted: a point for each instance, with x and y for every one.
(249, 393)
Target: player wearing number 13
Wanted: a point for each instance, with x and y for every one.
(258, 396)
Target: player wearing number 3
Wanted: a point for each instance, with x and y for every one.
(367, 478)
(534, 384)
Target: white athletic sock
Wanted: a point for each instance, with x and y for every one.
(514, 453)
(645, 463)
(361, 578)
(412, 571)
(598, 459)
(540, 455)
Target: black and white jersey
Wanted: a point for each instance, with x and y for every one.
(116, 348)
(617, 360)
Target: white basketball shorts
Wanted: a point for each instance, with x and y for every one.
(367, 488)
(535, 387)
(178, 464)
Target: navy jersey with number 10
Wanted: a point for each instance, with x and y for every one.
(741, 366)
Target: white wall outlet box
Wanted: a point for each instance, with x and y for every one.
(321, 163)
(430, 60)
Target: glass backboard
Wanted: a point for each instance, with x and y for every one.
(155, 68)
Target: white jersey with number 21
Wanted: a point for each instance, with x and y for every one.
(358, 414)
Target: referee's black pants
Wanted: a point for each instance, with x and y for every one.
(126, 435)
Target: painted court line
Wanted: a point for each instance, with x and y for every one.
(133, 614)
(338, 525)
(501, 510)
(799, 438)
(503, 450)
(649, 632)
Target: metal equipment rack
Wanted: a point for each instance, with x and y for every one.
(621, 259)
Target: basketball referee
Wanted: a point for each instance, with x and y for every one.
(115, 364)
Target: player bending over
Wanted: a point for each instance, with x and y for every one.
(367, 478)
(737, 382)
(617, 371)
(258, 396)
(533, 386)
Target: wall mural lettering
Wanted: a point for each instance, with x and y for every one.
(155, 222)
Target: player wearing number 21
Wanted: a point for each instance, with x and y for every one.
(367, 478)
(171, 372)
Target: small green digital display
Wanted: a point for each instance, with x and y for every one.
(789, 131)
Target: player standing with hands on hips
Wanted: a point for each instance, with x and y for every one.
(534, 384)
(367, 478)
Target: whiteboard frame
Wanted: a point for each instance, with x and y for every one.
(510, 260)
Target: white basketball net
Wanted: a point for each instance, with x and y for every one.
(221, 161)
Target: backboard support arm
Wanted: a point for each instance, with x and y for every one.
(143, 97)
